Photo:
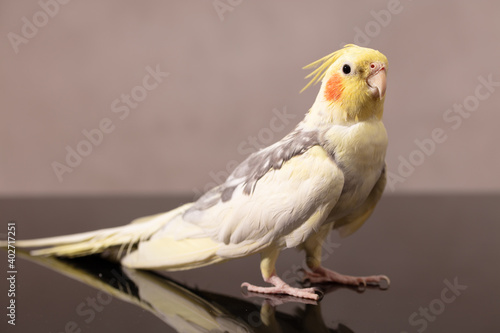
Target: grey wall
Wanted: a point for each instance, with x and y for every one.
(229, 77)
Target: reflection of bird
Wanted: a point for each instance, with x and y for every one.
(185, 309)
(328, 173)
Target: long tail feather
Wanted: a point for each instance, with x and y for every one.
(100, 240)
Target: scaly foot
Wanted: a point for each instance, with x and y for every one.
(280, 287)
(322, 275)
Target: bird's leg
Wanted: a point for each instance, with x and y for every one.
(319, 274)
(267, 266)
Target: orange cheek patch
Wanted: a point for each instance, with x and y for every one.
(333, 89)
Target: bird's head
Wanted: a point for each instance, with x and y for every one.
(353, 83)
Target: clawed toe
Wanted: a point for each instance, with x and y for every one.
(308, 293)
(321, 275)
(383, 285)
(375, 280)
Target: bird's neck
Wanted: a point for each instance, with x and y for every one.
(344, 113)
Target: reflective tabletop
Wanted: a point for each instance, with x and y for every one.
(441, 253)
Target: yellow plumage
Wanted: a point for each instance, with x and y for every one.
(329, 173)
(322, 66)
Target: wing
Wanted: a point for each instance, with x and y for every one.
(248, 173)
(276, 198)
(352, 222)
(279, 195)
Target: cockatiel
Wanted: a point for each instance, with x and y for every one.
(328, 173)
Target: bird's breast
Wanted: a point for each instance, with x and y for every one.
(359, 151)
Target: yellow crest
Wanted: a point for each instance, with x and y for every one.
(322, 65)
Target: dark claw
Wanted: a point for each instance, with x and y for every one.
(362, 286)
(320, 293)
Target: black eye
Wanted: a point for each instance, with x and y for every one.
(346, 69)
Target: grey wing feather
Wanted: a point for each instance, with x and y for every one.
(255, 166)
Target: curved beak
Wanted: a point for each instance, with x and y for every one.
(377, 79)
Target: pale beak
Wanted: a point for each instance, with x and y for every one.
(377, 79)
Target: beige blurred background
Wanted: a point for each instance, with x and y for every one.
(234, 73)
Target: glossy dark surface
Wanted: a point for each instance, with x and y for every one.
(425, 244)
